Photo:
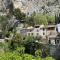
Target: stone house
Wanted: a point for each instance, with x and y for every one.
(40, 30)
(55, 39)
(34, 31)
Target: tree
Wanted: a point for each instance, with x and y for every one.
(16, 41)
(57, 18)
(31, 45)
(40, 19)
(4, 23)
(27, 57)
(18, 14)
(30, 20)
(50, 58)
(38, 53)
(29, 39)
(20, 50)
(50, 19)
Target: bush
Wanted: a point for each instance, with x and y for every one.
(20, 50)
(10, 56)
(38, 53)
(27, 57)
(50, 58)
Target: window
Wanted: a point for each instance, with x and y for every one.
(49, 42)
(57, 41)
(50, 28)
(29, 34)
(37, 33)
(43, 33)
(0, 36)
(37, 30)
(28, 13)
(43, 29)
(30, 30)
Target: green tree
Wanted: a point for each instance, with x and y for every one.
(40, 19)
(39, 58)
(4, 23)
(20, 50)
(29, 39)
(16, 41)
(57, 18)
(30, 21)
(38, 53)
(50, 58)
(18, 14)
(50, 19)
(10, 56)
(27, 57)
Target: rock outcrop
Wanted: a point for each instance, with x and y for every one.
(39, 6)
(30, 6)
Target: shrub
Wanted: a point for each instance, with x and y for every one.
(38, 53)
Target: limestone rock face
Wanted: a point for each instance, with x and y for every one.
(30, 6)
(38, 6)
(4, 4)
(1, 5)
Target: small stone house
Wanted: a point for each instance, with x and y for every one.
(39, 30)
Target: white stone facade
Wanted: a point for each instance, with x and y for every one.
(42, 31)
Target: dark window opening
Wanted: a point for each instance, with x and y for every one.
(37, 33)
(49, 42)
(31, 33)
(57, 41)
(43, 29)
(1, 36)
(50, 28)
(36, 26)
(37, 30)
(43, 33)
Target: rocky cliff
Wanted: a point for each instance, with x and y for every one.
(38, 6)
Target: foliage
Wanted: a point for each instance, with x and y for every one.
(18, 38)
(50, 58)
(57, 18)
(39, 58)
(3, 18)
(29, 39)
(10, 56)
(1, 45)
(27, 57)
(15, 56)
(18, 14)
(30, 20)
(40, 19)
(38, 53)
(16, 41)
(50, 19)
(20, 50)
(20, 54)
(4, 24)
